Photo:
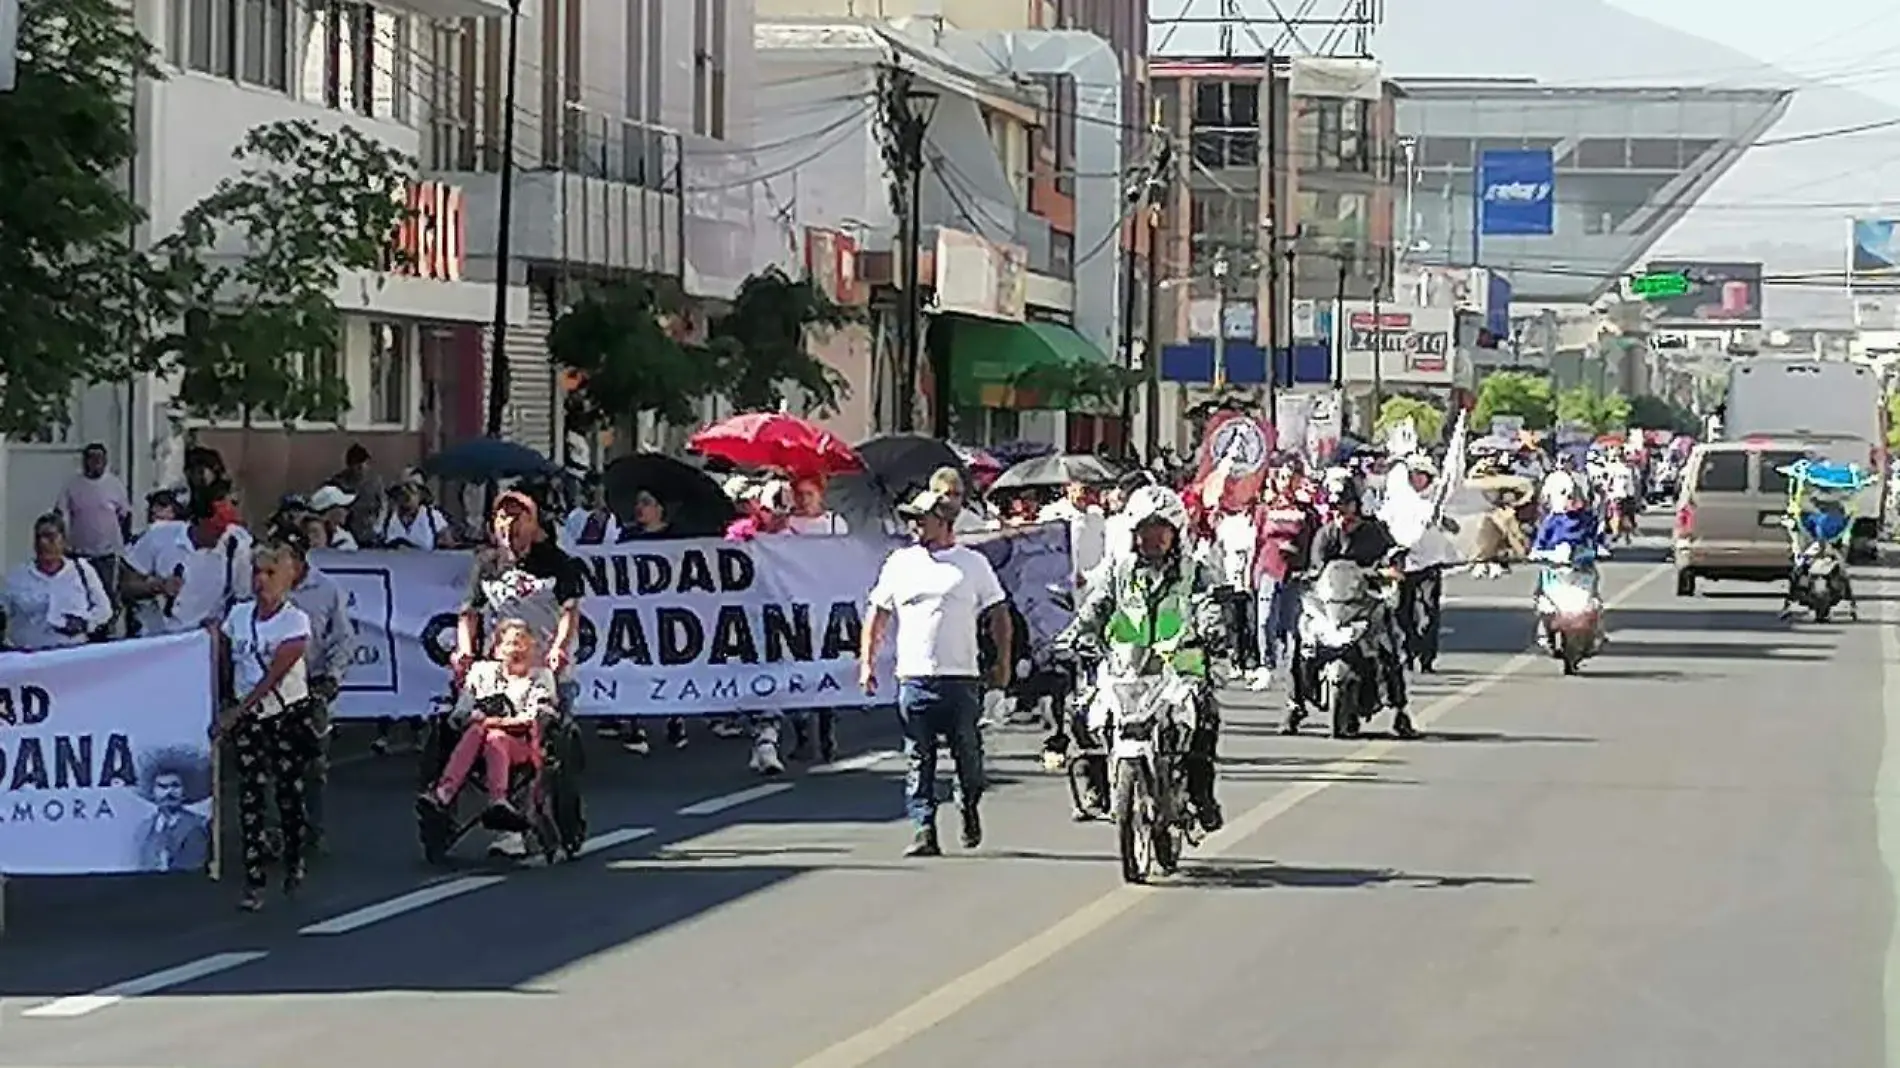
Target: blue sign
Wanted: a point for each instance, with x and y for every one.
(1497, 306)
(1517, 193)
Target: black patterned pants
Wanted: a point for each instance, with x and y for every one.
(273, 757)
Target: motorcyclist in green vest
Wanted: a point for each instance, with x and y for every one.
(1160, 599)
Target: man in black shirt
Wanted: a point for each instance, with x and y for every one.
(1364, 540)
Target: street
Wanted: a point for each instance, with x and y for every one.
(1673, 860)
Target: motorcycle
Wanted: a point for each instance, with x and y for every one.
(1150, 717)
(1342, 621)
(1568, 609)
(1820, 580)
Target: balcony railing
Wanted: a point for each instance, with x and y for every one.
(589, 144)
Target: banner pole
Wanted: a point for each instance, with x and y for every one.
(217, 768)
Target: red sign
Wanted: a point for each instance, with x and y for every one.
(432, 240)
(831, 262)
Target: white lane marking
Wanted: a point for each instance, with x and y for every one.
(357, 919)
(856, 763)
(613, 839)
(1886, 797)
(714, 805)
(104, 998)
(971, 987)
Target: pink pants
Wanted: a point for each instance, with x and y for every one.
(499, 750)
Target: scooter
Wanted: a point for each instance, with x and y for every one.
(1569, 612)
(1820, 580)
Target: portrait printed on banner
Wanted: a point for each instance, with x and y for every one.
(176, 782)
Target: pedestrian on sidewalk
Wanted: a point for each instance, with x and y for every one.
(936, 593)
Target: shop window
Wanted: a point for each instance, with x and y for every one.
(390, 358)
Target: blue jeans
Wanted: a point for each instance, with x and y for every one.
(1277, 617)
(940, 707)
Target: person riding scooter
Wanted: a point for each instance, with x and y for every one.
(1349, 534)
(1576, 526)
(1158, 599)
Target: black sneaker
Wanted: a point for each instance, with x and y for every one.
(924, 844)
(1402, 724)
(972, 826)
(1294, 717)
(633, 739)
(676, 732)
(1209, 813)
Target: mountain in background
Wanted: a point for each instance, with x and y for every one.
(1587, 42)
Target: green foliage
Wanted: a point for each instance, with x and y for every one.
(1657, 413)
(759, 345)
(1518, 393)
(77, 300)
(1426, 418)
(1893, 421)
(613, 337)
(261, 330)
(1070, 383)
(1585, 406)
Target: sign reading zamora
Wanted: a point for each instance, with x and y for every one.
(1660, 286)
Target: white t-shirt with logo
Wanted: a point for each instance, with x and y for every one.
(254, 643)
(937, 597)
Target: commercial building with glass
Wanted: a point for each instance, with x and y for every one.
(1629, 163)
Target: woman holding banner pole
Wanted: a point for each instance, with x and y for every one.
(270, 721)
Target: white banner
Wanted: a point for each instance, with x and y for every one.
(107, 759)
(669, 628)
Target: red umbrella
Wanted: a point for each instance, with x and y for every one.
(777, 441)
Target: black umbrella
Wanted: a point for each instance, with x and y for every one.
(696, 506)
(1051, 471)
(896, 466)
(486, 460)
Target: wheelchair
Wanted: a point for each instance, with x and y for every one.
(548, 807)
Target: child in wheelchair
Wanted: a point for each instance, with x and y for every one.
(504, 705)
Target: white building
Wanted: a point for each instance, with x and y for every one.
(618, 108)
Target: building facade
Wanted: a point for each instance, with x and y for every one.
(1284, 197)
(1629, 163)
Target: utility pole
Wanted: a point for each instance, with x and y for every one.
(902, 129)
(1378, 337)
(498, 370)
(1147, 195)
(1339, 322)
(1220, 320)
(1270, 200)
(1285, 314)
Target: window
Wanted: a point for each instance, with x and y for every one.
(1334, 219)
(1333, 134)
(1601, 153)
(1768, 475)
(390, 356)
(248, 40)
(357, 59)
(1723, 472)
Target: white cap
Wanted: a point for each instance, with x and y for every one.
(329, 497)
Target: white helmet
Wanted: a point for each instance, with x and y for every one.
(1157, 502)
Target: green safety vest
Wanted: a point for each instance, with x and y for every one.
(1152, 611)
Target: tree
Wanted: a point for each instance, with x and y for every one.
(614, 339)
(1515, 393)
(1651, 412)
(1599, 412)
(77, 300)
(261, 330)
(1426, 418)
(759, 344)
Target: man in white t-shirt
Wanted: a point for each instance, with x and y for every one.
(193, 571)
(937, 593)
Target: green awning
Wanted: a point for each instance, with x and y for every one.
(1020, 365)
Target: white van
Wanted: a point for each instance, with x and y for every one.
(1838, 407)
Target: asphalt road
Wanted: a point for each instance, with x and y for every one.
(1674, 860)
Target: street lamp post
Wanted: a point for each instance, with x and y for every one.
(498, 371)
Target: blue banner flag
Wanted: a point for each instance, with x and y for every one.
(1517, 193)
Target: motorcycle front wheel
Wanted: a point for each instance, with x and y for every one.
(1132, 805)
